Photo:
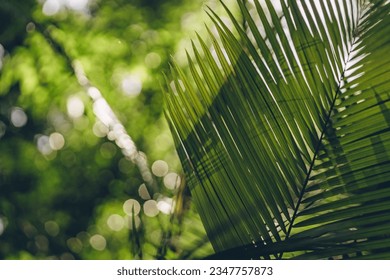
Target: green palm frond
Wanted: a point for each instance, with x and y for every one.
(283, 130)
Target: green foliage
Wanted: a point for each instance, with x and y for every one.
(282, 127)
(63, 184)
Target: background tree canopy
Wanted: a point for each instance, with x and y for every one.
(66, 190)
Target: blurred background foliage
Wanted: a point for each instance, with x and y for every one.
(66, 190)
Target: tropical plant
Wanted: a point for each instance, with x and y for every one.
(282, 127)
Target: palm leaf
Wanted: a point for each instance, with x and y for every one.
(283, 130)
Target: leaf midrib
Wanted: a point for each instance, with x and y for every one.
(323, 130)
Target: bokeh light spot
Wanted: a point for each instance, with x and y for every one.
(131, 85)
(51, 7)
(98, 242)
(74, 244)
(94, 93)
(172, 181)
(75, 107)
(143, 192)
(160, 168)
(103, 111)
(43, 144)
(18, 117)
(77, 5)
(30, 27)
(165, 205)
(152, 60)
(83, 236)
(56, 141)
(100, 129)
(52, 228)
(129, 222)
(115, 222)
(150, 208)
(130, 206)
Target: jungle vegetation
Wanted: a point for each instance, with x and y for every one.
(128, 130)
